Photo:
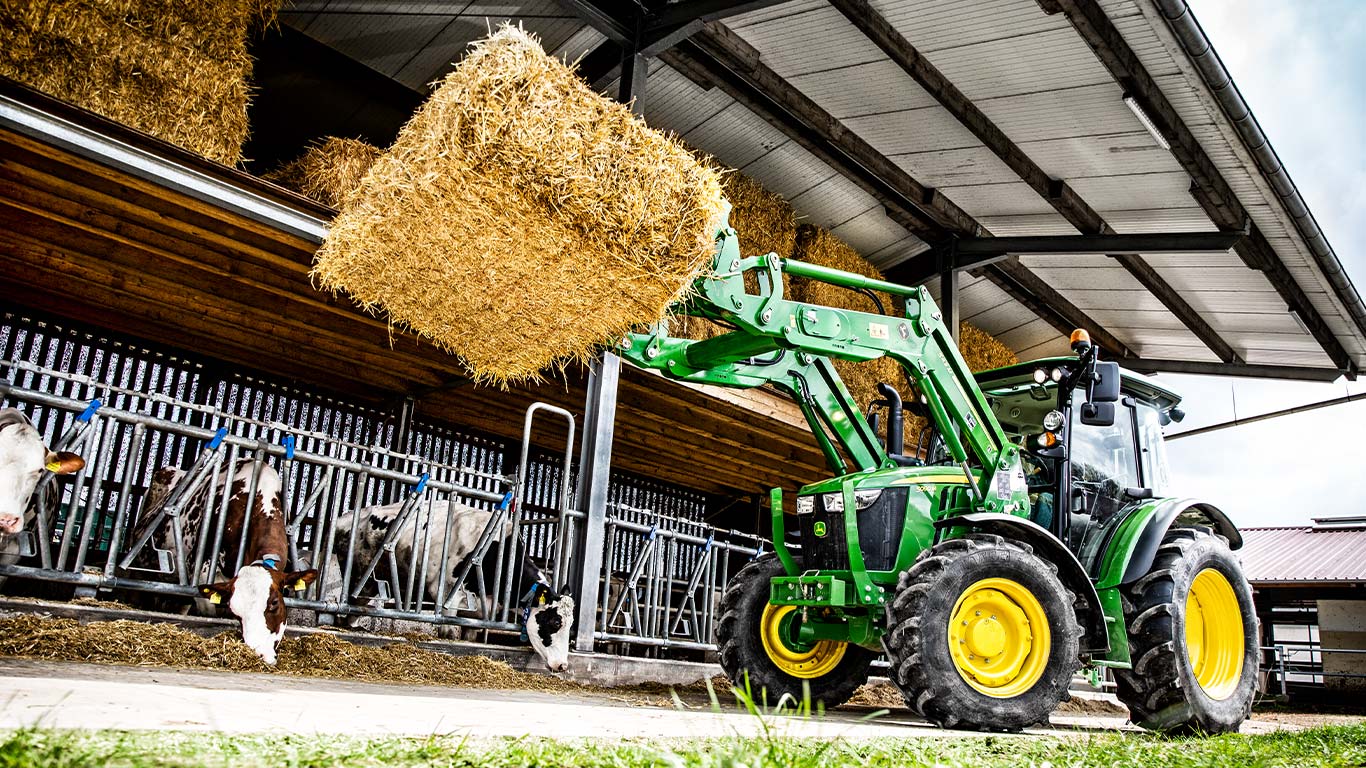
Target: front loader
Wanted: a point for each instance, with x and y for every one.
(1029, 535)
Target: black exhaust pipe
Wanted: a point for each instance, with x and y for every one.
(896, 438)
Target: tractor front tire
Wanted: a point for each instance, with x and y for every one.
(753, 647)
(1193, 638)
(983, 635)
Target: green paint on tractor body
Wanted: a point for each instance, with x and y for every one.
(984, 466)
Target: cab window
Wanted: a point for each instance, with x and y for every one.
(1153, 450)
(1104, 463)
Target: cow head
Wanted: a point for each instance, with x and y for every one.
(549, 619)
(256, 597)
(23, 459)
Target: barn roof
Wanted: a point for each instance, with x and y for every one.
(1326, 553)
(917, 129)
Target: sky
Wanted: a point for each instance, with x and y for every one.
(1301, 66)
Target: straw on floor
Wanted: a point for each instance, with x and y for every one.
(521, 220)
(177, 70)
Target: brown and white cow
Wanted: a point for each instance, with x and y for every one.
(255, 594)
(23, 460)
(546, 614)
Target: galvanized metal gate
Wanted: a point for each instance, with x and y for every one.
(130, 411)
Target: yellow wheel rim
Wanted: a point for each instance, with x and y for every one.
(999, 638)
(818, 660)
(1214, 634)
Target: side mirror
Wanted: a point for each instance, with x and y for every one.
(1106, 386)
(1098, 414)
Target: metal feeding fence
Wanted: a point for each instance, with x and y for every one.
(130, 411)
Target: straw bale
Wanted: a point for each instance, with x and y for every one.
(177, 70)
(328, 171)
(982, 351)
(521, 219)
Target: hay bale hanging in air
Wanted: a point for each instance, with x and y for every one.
(521, 219)
(176, 70)
(328, 171)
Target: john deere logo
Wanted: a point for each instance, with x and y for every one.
(818, 529)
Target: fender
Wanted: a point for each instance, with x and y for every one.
(1132, 548)
(1046, 546)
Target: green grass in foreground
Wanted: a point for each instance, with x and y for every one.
(1335, 746)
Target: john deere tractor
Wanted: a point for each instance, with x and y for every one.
(1031, 532)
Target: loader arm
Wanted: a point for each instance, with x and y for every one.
(788, 344)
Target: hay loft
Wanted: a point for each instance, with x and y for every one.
(329, 171)
(176, 70)
(521, 219)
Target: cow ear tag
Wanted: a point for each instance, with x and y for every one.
(300, 585)
(215, 598)
(53, 466)
(542, 599)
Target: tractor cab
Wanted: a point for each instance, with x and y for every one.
(1084, 466)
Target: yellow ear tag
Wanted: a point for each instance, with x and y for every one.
(300, 585)
(53, 466)
(215, 598)
(542, 600)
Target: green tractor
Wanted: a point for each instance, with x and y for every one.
(1028, 536)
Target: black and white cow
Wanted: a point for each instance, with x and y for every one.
(255, 594)
(547, 614)
(23, 460)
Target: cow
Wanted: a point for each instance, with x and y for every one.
(546, 615)
(23, 459)
(255, 594)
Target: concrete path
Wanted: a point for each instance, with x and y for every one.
(66, 695)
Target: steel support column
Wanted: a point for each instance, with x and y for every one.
(948, 300)
(595, 469)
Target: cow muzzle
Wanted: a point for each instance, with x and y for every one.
(11, 524)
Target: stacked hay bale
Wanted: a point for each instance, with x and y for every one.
(764, 223)
(565, 220)
(177, 70)
(329, 171)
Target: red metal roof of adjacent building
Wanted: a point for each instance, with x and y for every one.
(1331, 552)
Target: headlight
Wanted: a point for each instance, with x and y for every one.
(1055, 374)
(1040, 375)
(806, 505)
(1052, 420)
(834, 502)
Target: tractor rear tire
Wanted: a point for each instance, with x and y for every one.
(1193, 638)
(830, 671)
(972, 602)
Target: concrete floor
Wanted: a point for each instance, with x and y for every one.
(70, 695)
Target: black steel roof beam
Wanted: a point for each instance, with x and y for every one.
(1056, 192)
(1175, 242)
(617, 23)
(600, 63)
(1209, 187)
(1252, 370)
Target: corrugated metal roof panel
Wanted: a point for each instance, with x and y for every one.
(1057, 347)
(1303, 554)
(1053, 114)
(1051, 223)
(383, 43)
(1008, 199)
(833, 202)
(1146, 191)
(955, 167)
(916, 130)
(1049, 60)
(1136, 221)
(789, 170)
(870, 231)
(812, 41)
(932, 25)
(902, 250)
(879, 86)
(1101, 155)
(735, 136)
(1030, 334)
(676, 104)
(774, 12)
